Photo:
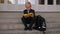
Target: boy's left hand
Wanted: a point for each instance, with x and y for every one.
(31, 14)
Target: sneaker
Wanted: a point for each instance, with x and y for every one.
(43, 27)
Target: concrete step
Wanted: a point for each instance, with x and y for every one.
(16, 20)
(11, 15)
(49, 14)
(20, 14)
(9, 21)
(52, 19)
(16, 17)
(27, 32)
(20, 32)
(52, 24)
(11, 26)
(21, 26)
(42, 14)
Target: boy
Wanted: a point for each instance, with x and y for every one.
(28, 16)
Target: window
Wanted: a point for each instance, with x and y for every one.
(41, 1)
(21, 1)
(50, 2)
(32, 1)
(58, 2)
(11, 1)
(1, 1)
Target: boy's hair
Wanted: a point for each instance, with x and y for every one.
(28, 3)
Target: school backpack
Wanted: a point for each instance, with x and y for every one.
(40, 23)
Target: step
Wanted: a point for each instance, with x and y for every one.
(20, 32)
(16, 20)
(9, 21)
(16, 17)
(53, 31)
(27, 32)
(52, 19)
(21, 26)
(49, 14)
(20, 14)
(53, 25)
(11, 26)
(10, 15)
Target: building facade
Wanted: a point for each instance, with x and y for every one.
(38, 5)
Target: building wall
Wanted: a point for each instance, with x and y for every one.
(36, 6)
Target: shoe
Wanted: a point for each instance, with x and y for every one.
(43, 27)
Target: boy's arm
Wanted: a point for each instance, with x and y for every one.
(25, 12)
(34, 12)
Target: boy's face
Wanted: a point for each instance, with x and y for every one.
(28, 5)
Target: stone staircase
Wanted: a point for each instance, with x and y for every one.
(10, 23)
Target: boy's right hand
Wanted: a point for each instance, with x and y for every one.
(31, 14)
(25, 15)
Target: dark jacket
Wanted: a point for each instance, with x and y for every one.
(30, 11)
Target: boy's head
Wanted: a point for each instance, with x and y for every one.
(28, 5)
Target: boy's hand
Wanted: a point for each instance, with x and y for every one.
(25, 15)
(31, 14)
(28, 15)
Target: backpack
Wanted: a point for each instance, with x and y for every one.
(40, 23)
